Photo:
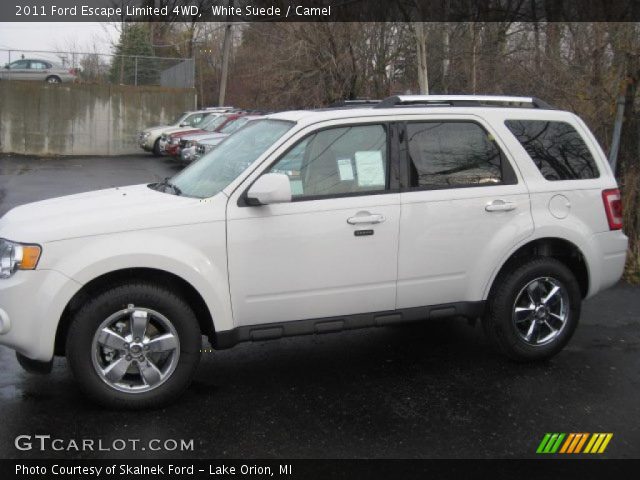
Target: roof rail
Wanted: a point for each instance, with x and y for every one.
(358, 102)
(220, 109)
(462, 101)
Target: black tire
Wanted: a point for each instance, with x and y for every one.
(80, 349)
(156, 148)
(499, 324)
(53, 79)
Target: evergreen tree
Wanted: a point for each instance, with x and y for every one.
(134, 40)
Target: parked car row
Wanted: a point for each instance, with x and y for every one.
(194, 134)
(195, 145)
(149, 138)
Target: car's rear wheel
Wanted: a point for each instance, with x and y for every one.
(533, 310)
(53, 79)
(134, 346)
(156, 148)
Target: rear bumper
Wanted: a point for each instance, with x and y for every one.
(31, 304)
(612, 252)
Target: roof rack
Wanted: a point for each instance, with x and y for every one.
(220, 109)
(358, 102)
(462, 101)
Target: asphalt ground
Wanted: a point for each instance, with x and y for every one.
(429, 390)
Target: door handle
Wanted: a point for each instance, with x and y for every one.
(500, 206)
(365, 218)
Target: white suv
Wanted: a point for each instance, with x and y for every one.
(304, 222)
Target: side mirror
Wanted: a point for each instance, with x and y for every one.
(270, 188)
(183, 124)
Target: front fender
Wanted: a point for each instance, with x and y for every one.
(196, 253)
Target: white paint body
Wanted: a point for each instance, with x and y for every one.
(300, 260)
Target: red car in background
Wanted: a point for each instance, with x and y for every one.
(174, 145)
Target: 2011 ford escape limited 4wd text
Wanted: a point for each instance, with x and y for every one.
(303, 222)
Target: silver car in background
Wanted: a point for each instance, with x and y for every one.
(200, 144)
(39, 70)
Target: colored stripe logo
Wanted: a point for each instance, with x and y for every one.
(574, 443)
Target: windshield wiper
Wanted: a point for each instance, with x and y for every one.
(166, 183)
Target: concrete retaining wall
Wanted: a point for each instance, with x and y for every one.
(77, 119)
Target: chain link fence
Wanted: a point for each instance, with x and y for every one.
(98, 68)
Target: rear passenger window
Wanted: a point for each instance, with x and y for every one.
(453, 154)
(38, 66)
(556, 148)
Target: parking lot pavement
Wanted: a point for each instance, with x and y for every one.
(26, 179)
(431, 390)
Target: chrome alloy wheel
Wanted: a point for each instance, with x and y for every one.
(135, 350)
(541, 310)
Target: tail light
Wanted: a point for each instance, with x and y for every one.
(73, 71)
(613, 208)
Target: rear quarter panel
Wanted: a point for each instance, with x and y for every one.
(569, 209)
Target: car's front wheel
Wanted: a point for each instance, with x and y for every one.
(533, 310)
(135, 345)
(53, 79)
(156, 148)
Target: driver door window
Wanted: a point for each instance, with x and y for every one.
(19, 65)
(18, 70)
(337, 162)
(191, 120)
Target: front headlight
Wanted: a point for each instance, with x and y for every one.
(17, 256)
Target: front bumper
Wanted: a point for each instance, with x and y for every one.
(143, 141)
(172, 149)
(189, 154)
(31, 304)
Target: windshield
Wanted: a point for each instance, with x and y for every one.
(234, 125)
(217, 169)
(214, 123)
(179, 118)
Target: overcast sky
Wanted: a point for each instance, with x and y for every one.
(55, 36)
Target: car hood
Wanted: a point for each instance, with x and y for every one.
(169, 131)
(112, 210)
(201, 135)
(156, 129)
(188, 133)
(213, 139)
